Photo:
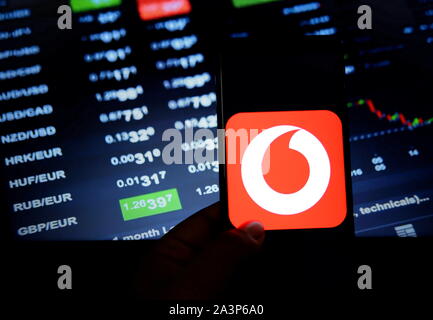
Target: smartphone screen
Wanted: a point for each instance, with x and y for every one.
(285, 147)
(286, 156)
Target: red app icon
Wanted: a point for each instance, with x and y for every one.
(286, 169)
(157, 9)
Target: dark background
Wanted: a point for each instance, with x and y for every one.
(103, 270)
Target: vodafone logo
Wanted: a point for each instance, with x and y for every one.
(269, 199)
(316, 136)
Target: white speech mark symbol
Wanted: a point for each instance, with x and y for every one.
(286, 203)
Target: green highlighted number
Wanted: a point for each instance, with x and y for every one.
(86, 5)
(150, 204)
(247, 3)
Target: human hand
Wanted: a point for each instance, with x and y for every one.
(196, 258)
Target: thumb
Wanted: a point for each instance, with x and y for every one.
(209, 273)
(232, 246)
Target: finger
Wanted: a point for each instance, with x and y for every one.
(208, 274)
(197, 230)
(179, 246)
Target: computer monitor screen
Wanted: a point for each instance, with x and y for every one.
(90, 116)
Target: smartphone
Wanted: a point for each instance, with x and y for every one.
(285, 154)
